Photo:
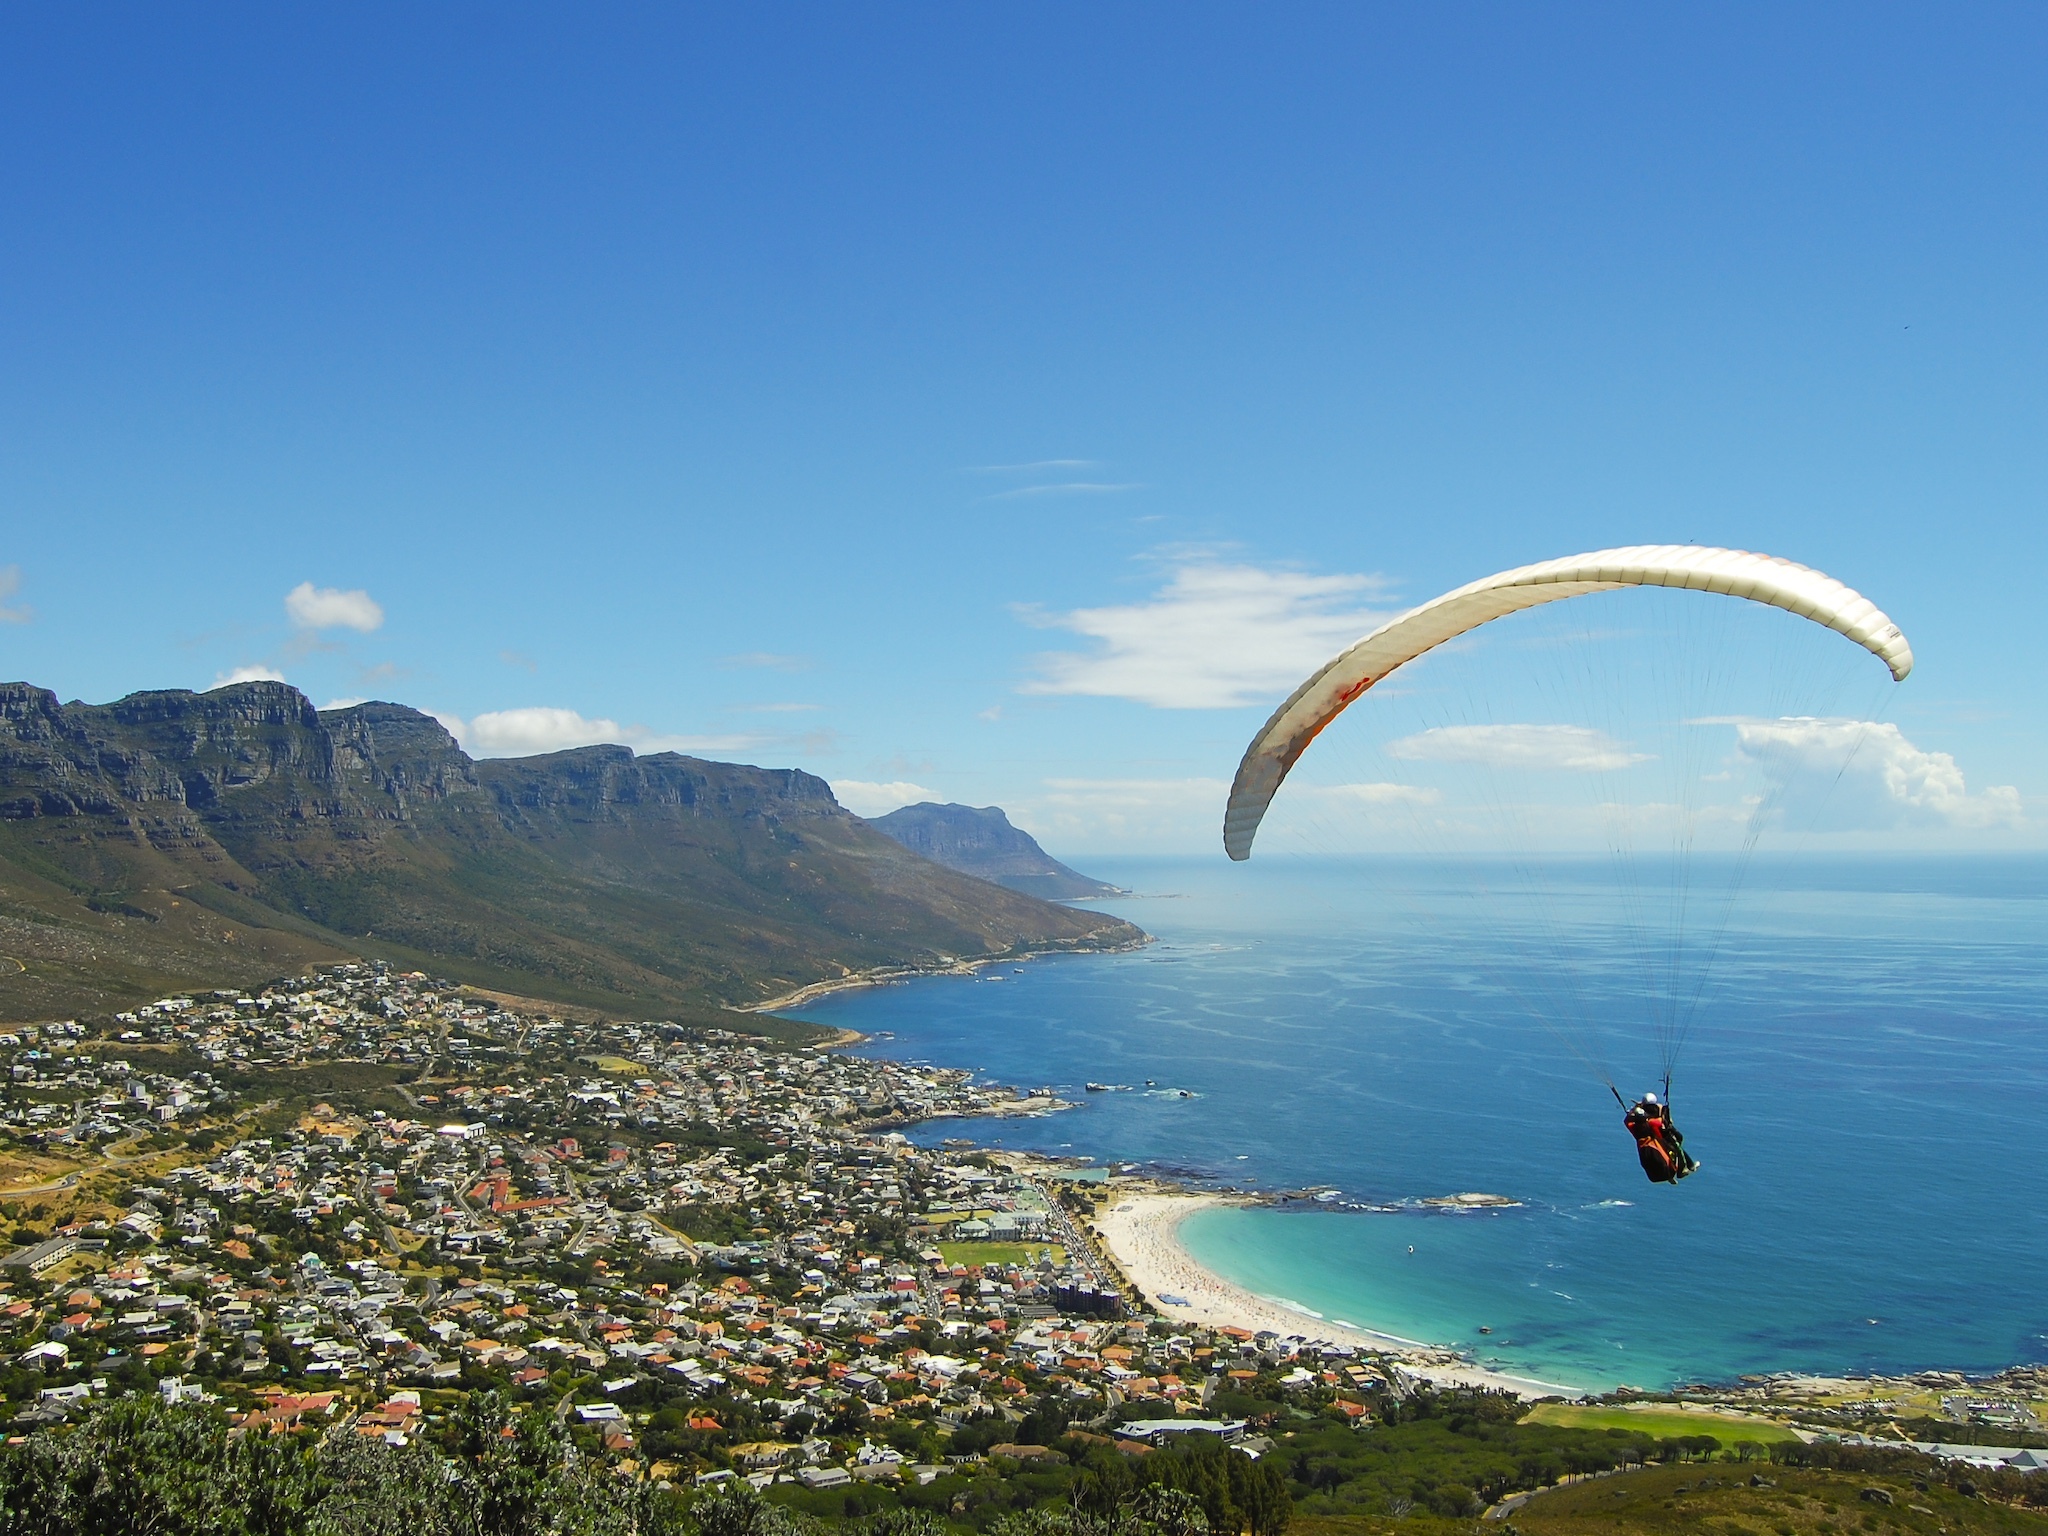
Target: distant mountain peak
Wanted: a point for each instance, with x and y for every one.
(981, 841)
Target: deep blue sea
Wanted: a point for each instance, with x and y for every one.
(1866, 1086)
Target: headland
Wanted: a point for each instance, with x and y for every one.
(892, 975)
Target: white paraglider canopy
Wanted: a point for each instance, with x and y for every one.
(1345, 678)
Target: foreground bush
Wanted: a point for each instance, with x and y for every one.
(139, 1468)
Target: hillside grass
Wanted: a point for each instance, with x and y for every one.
(1793, 1502)
(1714, 1499)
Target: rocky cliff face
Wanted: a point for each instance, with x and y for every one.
(204, 752)
(612, 784)
(981, 842)
(393, 759)
(173, 836)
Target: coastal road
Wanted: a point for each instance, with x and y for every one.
(52, 1187)
(1081, 1250)
(111, 1151)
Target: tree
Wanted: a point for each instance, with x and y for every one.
(383, 1490)
(506, 1466)
(733, 1508)
(1159, 1511)
(906, 1522)
(140, 1467)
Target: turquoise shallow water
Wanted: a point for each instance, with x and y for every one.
(1866, 1085)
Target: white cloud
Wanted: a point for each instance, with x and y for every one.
(522, 732)
(1847, 774)
(1570, 748)
(10, 583)
(311, 607)
(1377, 794)
(350, 703)
(1213, 637)
(531, 731)
(259, 672)
(865, 799)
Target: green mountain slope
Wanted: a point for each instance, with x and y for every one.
(176, 839)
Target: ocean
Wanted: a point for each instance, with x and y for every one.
(1865, 1085)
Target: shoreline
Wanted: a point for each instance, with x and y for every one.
(1137, 1235)
(1140, 1234)
(889, 975)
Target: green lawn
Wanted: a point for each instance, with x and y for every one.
(1001, 1253)
(1661, 1421)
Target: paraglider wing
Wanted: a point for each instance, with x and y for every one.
(1341, 681)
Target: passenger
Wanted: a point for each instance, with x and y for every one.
(1660, 1146)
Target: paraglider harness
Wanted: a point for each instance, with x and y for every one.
(1659, 1145)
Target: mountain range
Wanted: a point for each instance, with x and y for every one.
(177, 840)
(980, 841)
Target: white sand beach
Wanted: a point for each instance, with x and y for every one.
(1140, 1231)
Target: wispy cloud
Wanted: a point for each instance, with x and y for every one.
(1067, 488)
(1860, 774)
(1136, 813)
(527, 732)
(1375, 794)
(1215, 636)
(1563, 748)
(311, 607)
(342, 703)
(1130, 794)
(519, 659)
(10, 583)
(775, 709)
(864, 798)
(772, 661)
(1036, 466)
(1062, 485)
(256, 672)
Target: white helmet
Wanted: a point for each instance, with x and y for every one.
(1651, 1098)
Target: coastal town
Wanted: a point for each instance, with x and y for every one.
(721, 1255)
(342, 1203)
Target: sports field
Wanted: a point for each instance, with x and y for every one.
(1665, 1423)
(1001, 1253)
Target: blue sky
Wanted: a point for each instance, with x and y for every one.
(1004, 403)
